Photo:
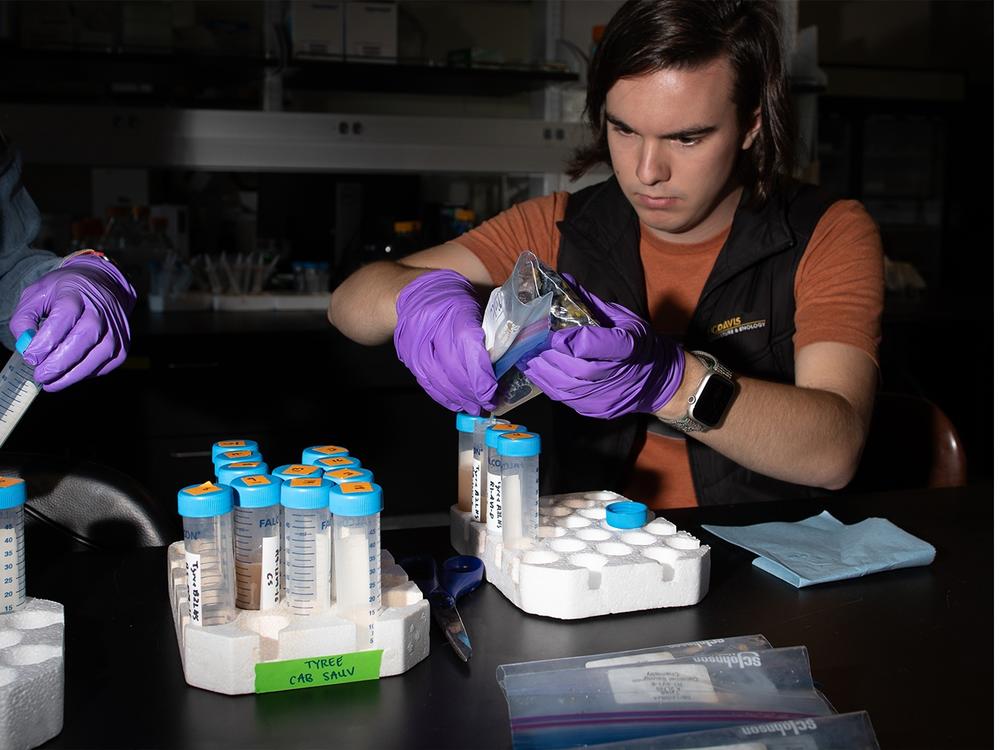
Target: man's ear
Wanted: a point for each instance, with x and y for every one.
(753, 131)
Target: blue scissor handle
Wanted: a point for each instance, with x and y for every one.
(461, 574)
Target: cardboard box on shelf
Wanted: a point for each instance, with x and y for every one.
(317, 28)
(371, 31)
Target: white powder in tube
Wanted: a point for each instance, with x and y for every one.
(351, 565)
(512, 504)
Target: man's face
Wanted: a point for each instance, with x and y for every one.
(674, 137)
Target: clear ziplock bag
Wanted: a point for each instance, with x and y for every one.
(851, 731)
(581, 706)
(636, 656)
(520, 316)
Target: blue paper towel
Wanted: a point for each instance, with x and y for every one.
(821, 548)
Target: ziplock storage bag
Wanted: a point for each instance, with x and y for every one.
(851, 731)
(636, 656)
(566, 708)
(519, 318)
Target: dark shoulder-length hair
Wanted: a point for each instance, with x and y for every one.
(646, 36)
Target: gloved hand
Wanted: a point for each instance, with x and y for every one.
(80, 311)
(606, 372)
(439, 336)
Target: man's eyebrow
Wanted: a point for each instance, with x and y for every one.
(693, 131)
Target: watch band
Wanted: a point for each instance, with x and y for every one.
(688, 423)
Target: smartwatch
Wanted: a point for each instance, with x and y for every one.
(707, 406)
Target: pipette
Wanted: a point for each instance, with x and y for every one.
(17, 387)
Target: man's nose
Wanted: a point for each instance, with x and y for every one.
(654, 163)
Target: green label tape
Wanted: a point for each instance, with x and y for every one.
(292, 674)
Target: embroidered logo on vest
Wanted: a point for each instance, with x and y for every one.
(734, 325)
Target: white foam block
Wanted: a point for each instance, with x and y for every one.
(581, 567)
(32, 674)
(221, 658)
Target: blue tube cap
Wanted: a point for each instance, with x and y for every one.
(467, 422)
(13, 492)
(24, 340)
(494, 431)
(302, 471)
(231, 457)
(356, 499)
(240, 444)
(339, 476)
(256, 491)
(519, 444)
(315, 452)
(226, 473)
(626, 515)
(205, 500)
(331, 463)
(306, 493)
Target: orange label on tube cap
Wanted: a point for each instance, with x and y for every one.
(238, 454)
(336, 461)
(351, 487)
(232, 443)
(301, 469)
(345, 473)
(257, 479)
(516, 435)
(329, 449)
(305, 482)
(245, 465)
(202, 489)
(10, 481)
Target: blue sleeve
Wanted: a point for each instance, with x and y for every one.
(20, 264)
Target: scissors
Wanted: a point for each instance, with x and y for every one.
(442, 586)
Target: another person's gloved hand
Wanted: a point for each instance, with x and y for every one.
(439, 337)
(606, 372)
(80, 311)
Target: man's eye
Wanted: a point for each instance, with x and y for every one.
(686, 141)
(621, 131)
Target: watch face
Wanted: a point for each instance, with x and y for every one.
(716, 393)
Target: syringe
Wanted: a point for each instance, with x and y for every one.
(17, 387)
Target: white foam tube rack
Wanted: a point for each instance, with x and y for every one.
(221, 658)
(581, 567)
(32, 674)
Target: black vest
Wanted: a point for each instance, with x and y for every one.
(745, 316)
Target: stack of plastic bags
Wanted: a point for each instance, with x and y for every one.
(736, 693)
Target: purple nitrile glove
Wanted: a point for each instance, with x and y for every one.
(439, 336)
(81, 313)
(606, 372)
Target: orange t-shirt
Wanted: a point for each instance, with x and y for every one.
(838, 298)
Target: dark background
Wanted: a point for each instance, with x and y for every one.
(904, 122)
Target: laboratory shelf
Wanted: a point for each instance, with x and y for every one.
(288, 141)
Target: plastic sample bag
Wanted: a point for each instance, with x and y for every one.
(519, 319)
(581, 706)
(851, 731)
(636, 656)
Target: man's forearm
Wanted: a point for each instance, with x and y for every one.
(363, 307)
(804, 435)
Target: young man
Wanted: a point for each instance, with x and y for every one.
(742, 310)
